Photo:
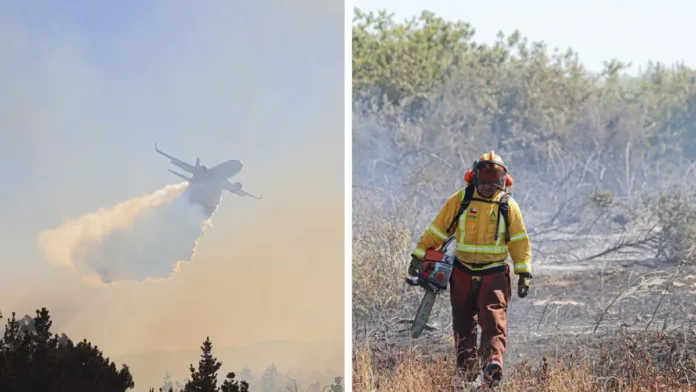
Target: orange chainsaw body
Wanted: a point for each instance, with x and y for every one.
(435, 267)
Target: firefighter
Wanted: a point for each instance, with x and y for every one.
(480, 287)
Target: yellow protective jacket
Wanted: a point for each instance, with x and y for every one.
(475, 234)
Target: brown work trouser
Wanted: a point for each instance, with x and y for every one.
(486, 305)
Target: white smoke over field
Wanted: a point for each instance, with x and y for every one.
(145, 238)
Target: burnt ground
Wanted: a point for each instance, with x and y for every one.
(576, 302)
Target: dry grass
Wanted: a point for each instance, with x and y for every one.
(638, 363)
(656, 356)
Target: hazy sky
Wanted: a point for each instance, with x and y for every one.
(89, 87)
(638, 30)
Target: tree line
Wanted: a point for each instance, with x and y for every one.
(519, 94)
(33, 359)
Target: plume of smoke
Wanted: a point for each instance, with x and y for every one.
(142, 239)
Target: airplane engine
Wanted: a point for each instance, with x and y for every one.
(232, 187)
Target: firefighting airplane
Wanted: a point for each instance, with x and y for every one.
(206, 184)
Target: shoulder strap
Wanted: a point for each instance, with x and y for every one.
(468, 196)
(503, 209)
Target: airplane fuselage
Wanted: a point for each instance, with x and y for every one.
(205, 188)
(205, 193)
(206, 184)
(220, 172)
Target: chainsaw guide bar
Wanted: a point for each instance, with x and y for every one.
(423, 314)
(434, 279)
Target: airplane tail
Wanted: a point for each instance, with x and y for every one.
(198, 162)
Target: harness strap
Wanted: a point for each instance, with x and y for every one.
(503, 209)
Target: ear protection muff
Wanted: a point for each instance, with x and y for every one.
(469, 178)
(508, 180)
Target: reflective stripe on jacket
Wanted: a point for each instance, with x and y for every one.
(475, 233)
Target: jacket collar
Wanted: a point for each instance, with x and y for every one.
(495, 196)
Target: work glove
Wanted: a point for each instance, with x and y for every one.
(415, 267)
(525, 279)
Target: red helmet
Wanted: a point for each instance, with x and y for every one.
(489, 169)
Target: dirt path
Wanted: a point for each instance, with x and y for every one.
(562, 309)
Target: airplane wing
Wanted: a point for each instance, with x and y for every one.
(237, 188)
(181, 164)
(180, 175)
(245, 193)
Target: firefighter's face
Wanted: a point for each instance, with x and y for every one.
(487, 190)
(489, 174)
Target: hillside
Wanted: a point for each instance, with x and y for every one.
(33, 358)
(605, 170)
(300, 359)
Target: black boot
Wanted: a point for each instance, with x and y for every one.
(492, 374)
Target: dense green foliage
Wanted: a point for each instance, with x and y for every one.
(525, 95)
(33, 359)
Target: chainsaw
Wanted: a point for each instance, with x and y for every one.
(434, 278)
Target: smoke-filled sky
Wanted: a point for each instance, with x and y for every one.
(635, 31)
(89, 87)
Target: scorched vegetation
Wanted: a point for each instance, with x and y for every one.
(604, 172)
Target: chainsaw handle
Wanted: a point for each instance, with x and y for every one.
(415, 282)
(446, 243)
(424, 282)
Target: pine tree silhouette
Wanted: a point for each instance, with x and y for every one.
(204, 379)
(33, 359)
(232, 385)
